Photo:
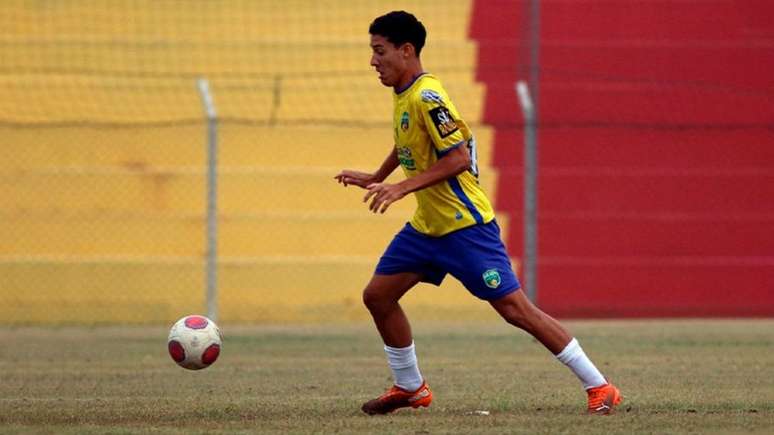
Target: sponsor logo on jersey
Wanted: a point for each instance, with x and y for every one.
(491, 278)
(406, 159)
(404, 121)
(431, 96)
(443, 121)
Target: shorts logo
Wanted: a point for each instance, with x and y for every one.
(443, 120)
(404, 121)
(491, 278)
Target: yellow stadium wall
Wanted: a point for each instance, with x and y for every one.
(103, 191)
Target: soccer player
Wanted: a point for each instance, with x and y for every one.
(453, 229)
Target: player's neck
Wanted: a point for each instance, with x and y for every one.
(409, 77)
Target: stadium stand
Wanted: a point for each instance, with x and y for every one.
(103, 196)
(656, 153)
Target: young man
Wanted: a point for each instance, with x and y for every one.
(453, 230)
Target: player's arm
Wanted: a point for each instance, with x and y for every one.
(448, 134)
(454, 162)
(364, 179)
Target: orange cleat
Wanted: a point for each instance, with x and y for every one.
(397, 397)
(603, 399)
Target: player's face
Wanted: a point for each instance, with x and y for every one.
(388, 60)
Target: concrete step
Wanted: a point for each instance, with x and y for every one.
(176, 235)
(604, 147)
(629, 190)
(233, 22)
(251, 290)
(357, 233)
(249, 190)
(283, 52)
(639, 234)
(333, 99)
(655, 287)
(640, 106)
(239, 145)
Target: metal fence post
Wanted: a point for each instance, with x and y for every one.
(211, 263)
(530, 191)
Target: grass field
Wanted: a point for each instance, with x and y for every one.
(692, 376)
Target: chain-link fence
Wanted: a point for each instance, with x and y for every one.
(103, 180)
(655, 150)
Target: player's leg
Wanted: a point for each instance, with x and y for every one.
(517, 310)
(381, 297)
(479, 259)
(404, 263)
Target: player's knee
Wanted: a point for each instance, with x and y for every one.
(516, 319)
(374, 300)
(519, 317)
(518, 311)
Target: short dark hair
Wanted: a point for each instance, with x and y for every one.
(400, 27)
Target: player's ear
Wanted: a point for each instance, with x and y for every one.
(407, 50)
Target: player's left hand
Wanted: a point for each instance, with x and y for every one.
(383, 195)
(355, 178)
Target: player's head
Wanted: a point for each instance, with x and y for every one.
(400, 27)
(397, 39)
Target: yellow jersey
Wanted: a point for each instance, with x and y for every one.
(426, 127)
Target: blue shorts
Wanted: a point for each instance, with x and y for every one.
(474, 255)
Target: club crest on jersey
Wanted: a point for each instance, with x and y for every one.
(491, 278)
(443, 121)
(430, 96)
(404, 121)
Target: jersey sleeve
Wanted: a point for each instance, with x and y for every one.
(442, 121)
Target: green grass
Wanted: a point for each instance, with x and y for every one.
(702, 376)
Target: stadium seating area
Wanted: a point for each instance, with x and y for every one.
(104, 194)
(656, 149)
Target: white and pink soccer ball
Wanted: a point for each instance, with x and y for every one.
(194, 342)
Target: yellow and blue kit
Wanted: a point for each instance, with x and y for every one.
(453, 229)
(426, 127)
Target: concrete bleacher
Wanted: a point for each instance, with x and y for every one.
(656, 153)
(102, 201)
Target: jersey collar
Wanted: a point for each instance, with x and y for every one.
(411, 83)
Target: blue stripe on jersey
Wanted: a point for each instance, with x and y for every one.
(447, 150)
(457, 189)
(454, 183)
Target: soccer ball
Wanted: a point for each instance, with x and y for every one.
(194, 342)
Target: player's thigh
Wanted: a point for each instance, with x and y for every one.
(389, 288)
(477, 257)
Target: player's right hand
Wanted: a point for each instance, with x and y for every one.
(356, 178)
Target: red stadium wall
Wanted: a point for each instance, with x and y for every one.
(656, 152)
